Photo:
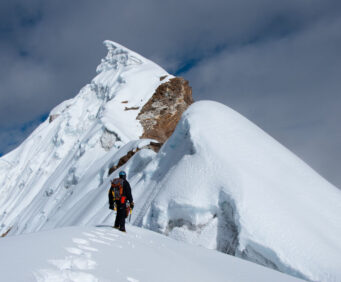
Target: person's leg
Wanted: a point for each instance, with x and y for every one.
(117, 220)
(116, 225)
(121, 213)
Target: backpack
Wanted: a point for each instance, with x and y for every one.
(117, 189)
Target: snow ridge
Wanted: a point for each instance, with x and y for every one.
(48, 169)
(118, 55)
(219, 181)
(86, 254)
(255, 200)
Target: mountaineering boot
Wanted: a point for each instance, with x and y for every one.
(116, 227)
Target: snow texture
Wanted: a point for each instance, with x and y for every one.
(218, 182)
(223, 183)
(68, 156)
(100, 254)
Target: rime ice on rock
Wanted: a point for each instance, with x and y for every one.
(118, 55)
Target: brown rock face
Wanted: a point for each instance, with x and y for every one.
(131, 108)
(160, 115)
(6, 233)
(163, 111)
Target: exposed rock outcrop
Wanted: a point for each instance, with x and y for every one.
(53, 117)
(6, 233)
(160, 115)
(131, 108)
(123, 160)
(108, 139)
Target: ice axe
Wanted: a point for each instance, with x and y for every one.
(131, 210)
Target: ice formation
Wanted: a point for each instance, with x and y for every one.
(219, 181)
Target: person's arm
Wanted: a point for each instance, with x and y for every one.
(128, 192)
(111, 200)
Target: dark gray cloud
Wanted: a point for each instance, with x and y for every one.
(289, 86)
(275, 62)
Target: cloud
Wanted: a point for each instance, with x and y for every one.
(270, 60)
(25, 92)
(290, 87)
(11, 137)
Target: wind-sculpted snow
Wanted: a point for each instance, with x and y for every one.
(222, 183)
(100, 254)
(65, 158)
(219, 181)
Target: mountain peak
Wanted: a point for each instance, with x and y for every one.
(117, 56)
(218, 180)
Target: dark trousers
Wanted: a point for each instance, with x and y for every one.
(120, 216)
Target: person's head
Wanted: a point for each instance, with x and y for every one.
(122, 174)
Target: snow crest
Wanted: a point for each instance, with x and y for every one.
(223, 183)
(118, 55)
(87, 254)
(219, 181)
(68, 156)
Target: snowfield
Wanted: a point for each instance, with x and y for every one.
(91, 254)
(219, 182)
(38, 177)
(223, 183)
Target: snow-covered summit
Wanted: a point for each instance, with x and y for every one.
(219, 181)
(118, 55)
(38, 176)
(223, 183)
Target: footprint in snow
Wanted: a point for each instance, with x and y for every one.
(80, 241)
(98, 241)
(72, 267)
(107, 238)
(95, 234)
(89, 234)
(130, 279)
(79, 252)
(87, 248)
(47, 275)
(98, 233)
(72, 262)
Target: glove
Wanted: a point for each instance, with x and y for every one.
(132, 205)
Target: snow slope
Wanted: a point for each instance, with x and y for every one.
(104, 254)
(221, 182)
(218, 182)
(39, 176)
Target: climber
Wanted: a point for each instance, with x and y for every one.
(119, 194)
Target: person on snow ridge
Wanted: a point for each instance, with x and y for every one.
(119, 194)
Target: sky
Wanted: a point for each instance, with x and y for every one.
(276, 62)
